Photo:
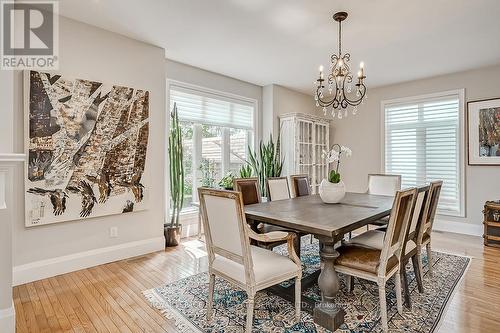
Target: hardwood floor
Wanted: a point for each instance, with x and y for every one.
(108, 298)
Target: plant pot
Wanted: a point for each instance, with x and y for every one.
(331, 192)
(172, 235)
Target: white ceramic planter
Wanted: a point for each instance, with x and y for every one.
(330, 192)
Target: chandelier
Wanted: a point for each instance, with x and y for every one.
(336, 91)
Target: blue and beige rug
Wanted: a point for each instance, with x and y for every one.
(185, 301)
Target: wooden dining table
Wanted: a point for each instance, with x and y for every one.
(328, 223)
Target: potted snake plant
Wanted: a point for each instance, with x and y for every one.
(173, 229)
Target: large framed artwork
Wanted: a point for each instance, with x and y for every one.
(86, 144)
(483, 119)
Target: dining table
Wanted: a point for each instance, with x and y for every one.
(328, 223)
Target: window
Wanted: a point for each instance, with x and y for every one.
(217, 130)
(423, 142)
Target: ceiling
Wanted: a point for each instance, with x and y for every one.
(284, 41)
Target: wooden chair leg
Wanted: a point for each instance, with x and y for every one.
(298, 292)
(250, 306)
(383, 305)
(399, 298)
(418, 273)
(429, 258)
(350, 283)
(406, 287)
(211, 287)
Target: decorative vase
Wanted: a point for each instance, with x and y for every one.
(331, 192)
(172, 235)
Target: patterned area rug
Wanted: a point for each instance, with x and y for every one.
(185, 301)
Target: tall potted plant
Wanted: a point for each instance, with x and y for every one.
(176, 173)
(267, 162)
(332, 190)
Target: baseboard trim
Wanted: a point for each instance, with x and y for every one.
(458, 227)
(55, 266)
(8, 320)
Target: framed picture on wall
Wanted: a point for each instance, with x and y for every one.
(483, 123)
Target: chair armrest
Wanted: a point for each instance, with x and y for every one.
(269, 237)
(276, 236)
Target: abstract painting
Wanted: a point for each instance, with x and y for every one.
(86, 144)
(484, 132)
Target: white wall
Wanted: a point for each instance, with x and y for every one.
(363, 134)
(92, 53)
(279, 100)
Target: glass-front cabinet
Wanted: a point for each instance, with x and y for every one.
(303, 139)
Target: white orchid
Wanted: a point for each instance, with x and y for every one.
(331, 156)
(346, 150)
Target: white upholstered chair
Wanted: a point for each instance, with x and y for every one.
(378, 265)
(382, 184)
(231, 256)
(277, 188)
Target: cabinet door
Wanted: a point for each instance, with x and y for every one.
(320, 144)
(305, 147)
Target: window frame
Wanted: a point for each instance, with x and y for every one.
(461, 138)
(170, 83)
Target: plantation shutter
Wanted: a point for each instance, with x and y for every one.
(212, 109)
(422, 144)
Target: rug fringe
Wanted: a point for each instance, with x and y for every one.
(181, 323)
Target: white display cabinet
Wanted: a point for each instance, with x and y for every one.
(303, 139)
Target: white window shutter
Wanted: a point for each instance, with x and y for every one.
(422, 144)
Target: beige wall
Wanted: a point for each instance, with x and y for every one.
(279, 100)
(92, 53)
(363, 134)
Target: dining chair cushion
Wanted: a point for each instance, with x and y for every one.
(267, 266)
(362, 258)
(375, 239)
(301, 187)
(249, 193)
(278, 189)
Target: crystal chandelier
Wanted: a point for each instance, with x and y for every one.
(336, 91)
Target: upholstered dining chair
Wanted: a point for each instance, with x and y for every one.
(375, 239)
(424, 234)
(383, 184)
(249, 188)
(231, 256)
(300, 185)
(378, 265)
(277, 188)
(301, 188)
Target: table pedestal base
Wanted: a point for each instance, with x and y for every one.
(328, 315)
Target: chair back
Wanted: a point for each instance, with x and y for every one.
(277, 188)
(249, 188)
(418, 215)
(434, 193)
(225, 226)
(381, 184)
(300, 185)
(396, 228)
